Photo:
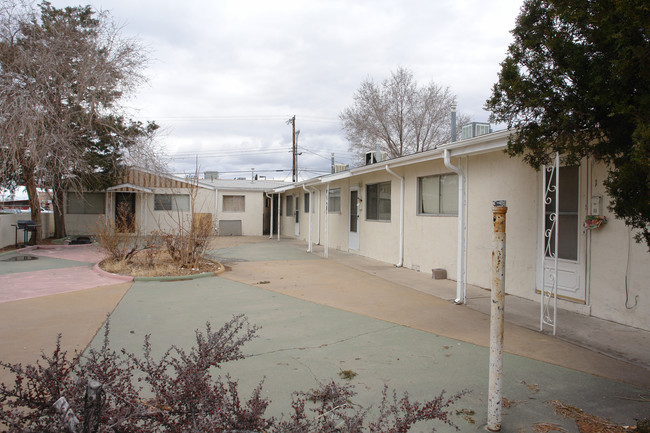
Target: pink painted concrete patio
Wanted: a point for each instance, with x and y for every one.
(26, 285)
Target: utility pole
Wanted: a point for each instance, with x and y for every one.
(292, 122)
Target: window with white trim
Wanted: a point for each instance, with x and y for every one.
(438, 194)
(234, 203)
(378, 201)
(289, 205)
(334, 201)
(171, 202)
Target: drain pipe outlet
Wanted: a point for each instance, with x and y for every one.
(401, 216)
(460, 263)
(310, 212)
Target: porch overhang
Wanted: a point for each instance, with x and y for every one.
(129, 187)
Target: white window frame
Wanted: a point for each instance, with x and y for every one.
(177, 202)
(232, 206)
(375, 214)
(334, 201)
(437, 195)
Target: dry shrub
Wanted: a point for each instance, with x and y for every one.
(119, 238)
(182, 391)
(187, 247)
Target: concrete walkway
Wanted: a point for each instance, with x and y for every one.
(320, 317)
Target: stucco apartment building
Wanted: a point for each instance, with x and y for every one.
(433, 210)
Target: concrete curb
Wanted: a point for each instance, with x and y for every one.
(177, 277)
(50, 247)
(103, 273)
(221, 270)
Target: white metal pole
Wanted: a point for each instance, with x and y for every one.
(279, 219)
(557, 235)
(327, 223)
(497, 311)
(271, 228)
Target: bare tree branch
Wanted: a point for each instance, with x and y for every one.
(398, 116)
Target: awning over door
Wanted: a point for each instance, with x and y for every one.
(129, 187)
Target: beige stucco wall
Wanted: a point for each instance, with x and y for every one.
(614, 255)
(78, 224)
(8, 233)
(254, 208)
(169, 221)
(148, 219)
(431, 241)
(495, 176)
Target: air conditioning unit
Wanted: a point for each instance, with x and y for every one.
(340, 167)
(475, 129)
(371, 157)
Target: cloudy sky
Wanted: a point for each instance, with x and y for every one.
(225, 76)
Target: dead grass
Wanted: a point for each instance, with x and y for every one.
(588, 423)
(155, 264)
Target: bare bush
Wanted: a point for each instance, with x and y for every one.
(181, 393)
(119, 238)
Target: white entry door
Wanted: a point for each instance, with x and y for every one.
(297, 229)
(571, 234)
(353, 237)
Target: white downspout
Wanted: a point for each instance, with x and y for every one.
(310, 212)
(401, 217)
(279, 219)
(270, 197)
(461, 288)
(327, 219)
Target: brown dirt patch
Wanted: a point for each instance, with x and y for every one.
(156, 263)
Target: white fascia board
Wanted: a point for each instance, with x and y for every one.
(491, 142)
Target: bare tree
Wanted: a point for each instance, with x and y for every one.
(398, 116)
(63, 73)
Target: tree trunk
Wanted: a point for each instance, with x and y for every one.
(59, 216)
(34, 204)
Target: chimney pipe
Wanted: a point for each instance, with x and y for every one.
(453, 123)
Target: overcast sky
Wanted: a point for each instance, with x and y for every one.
(225, 76)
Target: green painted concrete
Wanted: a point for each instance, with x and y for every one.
(266, 251)
(301, 343)
(40, 264)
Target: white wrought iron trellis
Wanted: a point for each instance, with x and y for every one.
(550, 212)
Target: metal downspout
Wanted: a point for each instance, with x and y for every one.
(279, 208)
(461, 287)
(401, 216)
(310, 212)
(270, 197)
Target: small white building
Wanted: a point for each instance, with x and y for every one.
(243, 206)
(434, 210)
(152, 201)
